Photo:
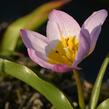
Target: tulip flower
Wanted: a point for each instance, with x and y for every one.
(66, 44)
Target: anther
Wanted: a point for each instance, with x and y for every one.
(57, 51)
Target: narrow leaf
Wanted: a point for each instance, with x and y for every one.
(97, 85)
(104, 104)
(54, 95)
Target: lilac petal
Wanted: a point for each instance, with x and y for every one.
(34, 40)
(35, 44)
(61, 68)
(39, 59)
(84, 47)
(52, 31)
(61, 24)
(93, 37)
(96, 19)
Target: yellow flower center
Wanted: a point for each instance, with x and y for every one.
(64, 52)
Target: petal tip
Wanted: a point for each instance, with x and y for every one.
(97, 18)
(22, 32)
(104, 11)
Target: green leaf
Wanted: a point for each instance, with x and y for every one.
(104, 104)
(21, 72)
(30, 21)
(97, 85)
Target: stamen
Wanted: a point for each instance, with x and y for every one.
(57, 51)
(65, 51)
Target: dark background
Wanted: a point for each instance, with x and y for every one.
(80, 10)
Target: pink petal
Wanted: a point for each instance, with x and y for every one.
(39, 59)
(53, 32)
(35, 44)
(93, 37)
(84, 47)
(34, 40)
(61, 68)
(96, 19)
(61, 24)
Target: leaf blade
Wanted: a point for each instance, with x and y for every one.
(54, 95)
(97, 86)
(104, 104)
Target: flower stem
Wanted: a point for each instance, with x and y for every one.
(79, 89)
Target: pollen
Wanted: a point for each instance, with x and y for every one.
(64, 52)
